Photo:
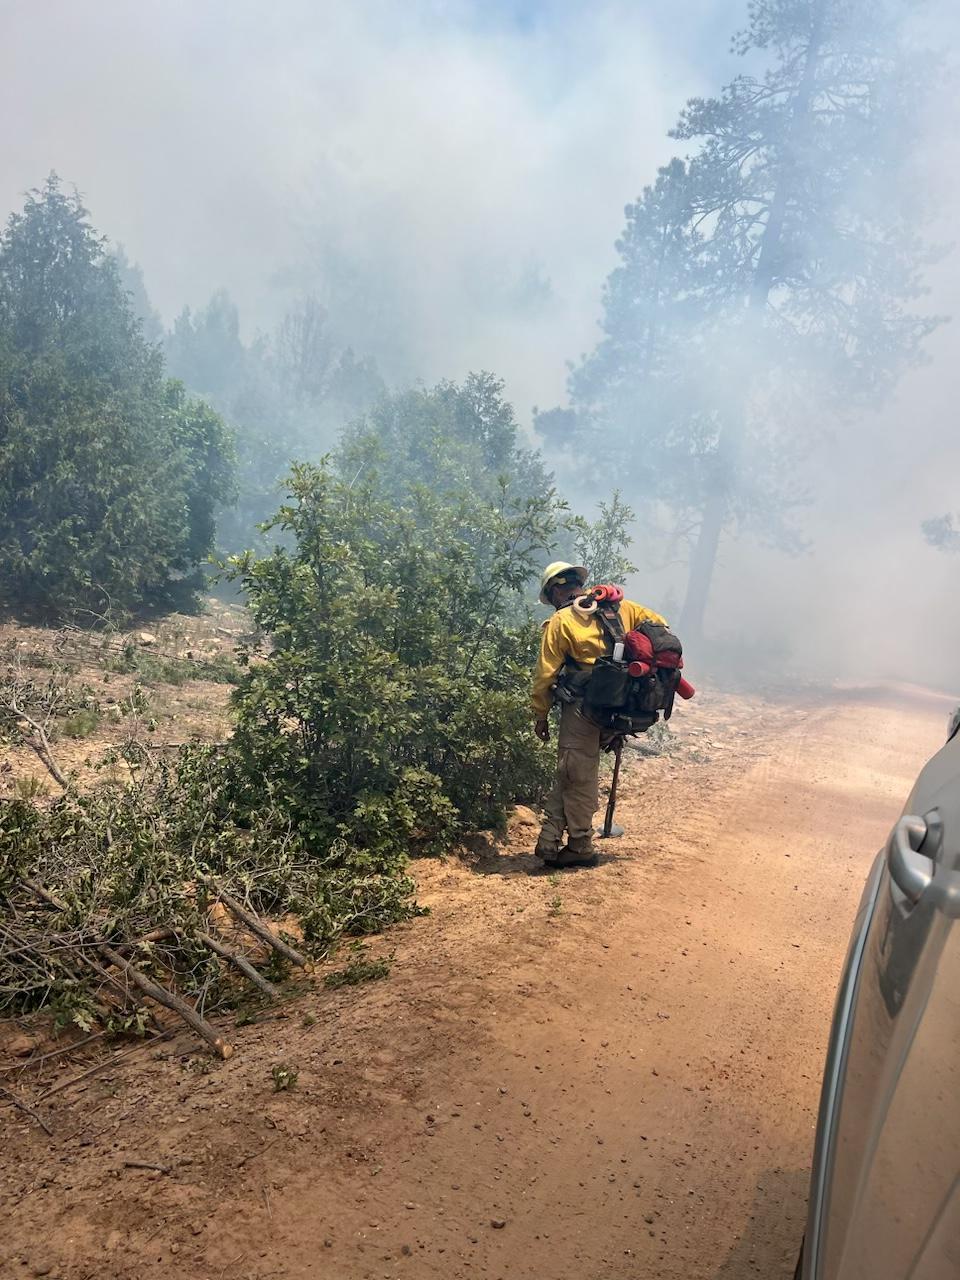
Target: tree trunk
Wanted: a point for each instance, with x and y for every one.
(704, 557)
(702, 564)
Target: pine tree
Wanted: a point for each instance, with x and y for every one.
(108, 473)
(769, 279)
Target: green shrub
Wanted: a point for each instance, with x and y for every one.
(284, 1076)
(390, 712)
(359, 969)
(81, 724)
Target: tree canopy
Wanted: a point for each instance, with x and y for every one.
(286, 394)
(767, 281)
(447, 438)
(109, 473)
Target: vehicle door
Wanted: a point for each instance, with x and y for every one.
(890, 1208)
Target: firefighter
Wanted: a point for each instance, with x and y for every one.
(570, 643)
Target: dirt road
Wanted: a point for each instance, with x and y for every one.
(604, 1075)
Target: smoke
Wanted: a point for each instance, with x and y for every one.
(872, 599)
(450, 178)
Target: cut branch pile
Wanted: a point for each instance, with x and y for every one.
(33, 956)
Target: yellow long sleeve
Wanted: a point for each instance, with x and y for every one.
(569, 635)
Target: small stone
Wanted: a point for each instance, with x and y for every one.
(146, 637)
(43, 1268)
(21, 1045)
(406, 1250)
(498, 1223)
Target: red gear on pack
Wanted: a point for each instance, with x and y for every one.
(638, 648)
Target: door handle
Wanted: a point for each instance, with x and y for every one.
(911, 870)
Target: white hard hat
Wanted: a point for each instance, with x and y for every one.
(554, 571)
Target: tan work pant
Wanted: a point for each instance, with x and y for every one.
(573, 800)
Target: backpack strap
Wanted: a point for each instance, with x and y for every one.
(610, 621)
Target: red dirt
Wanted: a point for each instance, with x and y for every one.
(603, 1074)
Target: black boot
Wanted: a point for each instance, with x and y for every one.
(567, 857)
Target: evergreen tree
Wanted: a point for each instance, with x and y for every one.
(108, 473)
(286, 394)
(132, 282)
(446, 438)
(768, 280)
(942, 532)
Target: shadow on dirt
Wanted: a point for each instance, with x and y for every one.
(489, 861)
(770, 1242)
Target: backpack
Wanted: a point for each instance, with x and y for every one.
(627, 694)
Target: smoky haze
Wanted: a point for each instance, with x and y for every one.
(450, 180)
(450, 177)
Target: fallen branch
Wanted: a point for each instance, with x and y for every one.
(45, 894)
(257, 927)
(155, 935)
(22, 1106)
(239, 962)
(40, 743)
(105, 1012)
(162, 995)
(166, 997)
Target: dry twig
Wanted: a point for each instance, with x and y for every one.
(39, 742)
(102, 1066)
(22, 1106)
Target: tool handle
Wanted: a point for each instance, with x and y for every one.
(612, 802)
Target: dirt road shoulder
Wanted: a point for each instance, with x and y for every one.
(607, 1074)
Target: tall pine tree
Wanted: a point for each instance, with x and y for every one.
(108, 473)
(766, 281)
